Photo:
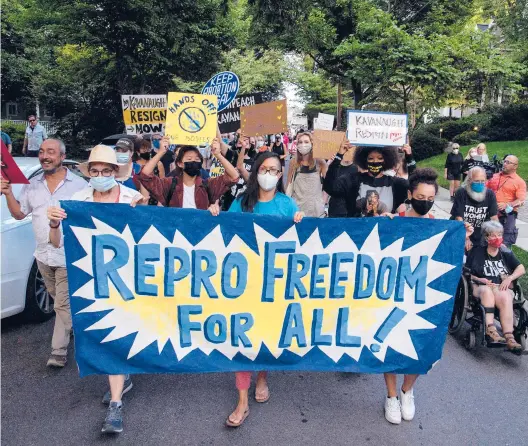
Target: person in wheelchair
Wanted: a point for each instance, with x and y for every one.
(494, 268)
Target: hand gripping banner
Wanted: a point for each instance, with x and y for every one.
(157, 290)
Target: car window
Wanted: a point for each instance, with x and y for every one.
(72, 166)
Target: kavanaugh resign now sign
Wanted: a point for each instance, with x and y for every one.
(177, 290)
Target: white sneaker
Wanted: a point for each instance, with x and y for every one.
(393, 412)
(407, 404)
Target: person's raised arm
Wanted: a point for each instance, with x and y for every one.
(24, 147)
(332, 185)
(230, 171)
(151, 165)
(223, 146)
(12, 204)
(241, 156)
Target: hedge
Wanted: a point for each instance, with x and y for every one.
(16, 132)
(508, 123)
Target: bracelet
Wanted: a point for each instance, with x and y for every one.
(339, 156)
(54, 227)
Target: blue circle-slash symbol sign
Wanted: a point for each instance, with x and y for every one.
(192, 119)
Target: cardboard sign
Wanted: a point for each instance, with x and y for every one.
(324, 122)
(376, 128)
(157, 289)
(229, 119)
(326, 143)
(144, 113)
(10, 170)
(264, 119)
(191, 118)
(225, 86)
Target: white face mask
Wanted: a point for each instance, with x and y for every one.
(304, 149)
(123, 158)
(455, 151)
(390, 173)
(260, 144)
(267, 181)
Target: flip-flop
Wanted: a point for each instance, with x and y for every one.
(230, 423)
(262, 400)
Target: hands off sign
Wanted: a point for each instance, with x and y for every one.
(160, 290)
(263, 119)
(144, 113)
(191, 118)
(376, 128)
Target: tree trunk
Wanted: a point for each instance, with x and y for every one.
(339, 105)
(358, 93)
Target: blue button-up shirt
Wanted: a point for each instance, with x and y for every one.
(35, 137)
(35, 198)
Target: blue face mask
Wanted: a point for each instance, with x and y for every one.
(123, 158)
(102, 184)
(226, 141)
(478, 187)
(155, 143)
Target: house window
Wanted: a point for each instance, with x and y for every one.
(12, 109)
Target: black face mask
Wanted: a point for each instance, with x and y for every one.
(145, 156)
(375, 168)
(421, 207)
(192, 168)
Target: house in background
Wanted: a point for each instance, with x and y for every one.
(17, 113)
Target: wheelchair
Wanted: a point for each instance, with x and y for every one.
(468, 308)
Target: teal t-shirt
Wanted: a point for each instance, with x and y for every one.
(281, 205)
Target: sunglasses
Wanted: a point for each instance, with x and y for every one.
(32, 120)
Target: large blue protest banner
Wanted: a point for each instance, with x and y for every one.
(177, 290)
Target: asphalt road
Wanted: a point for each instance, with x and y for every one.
(469, 398)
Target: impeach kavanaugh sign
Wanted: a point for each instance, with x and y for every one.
(177, 290)
(229, 118)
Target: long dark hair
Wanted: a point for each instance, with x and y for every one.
(250, 196)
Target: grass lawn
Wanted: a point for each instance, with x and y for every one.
(522, 255)
(518, 148)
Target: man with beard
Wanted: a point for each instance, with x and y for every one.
(475, 204)
(44, 190)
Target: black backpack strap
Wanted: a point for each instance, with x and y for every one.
(171, 190)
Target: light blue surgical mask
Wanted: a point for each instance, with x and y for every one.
(123, 158)
(225, 140)
(478, 187)
(102, 184)
(509, 209)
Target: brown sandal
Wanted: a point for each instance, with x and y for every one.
(264, 399)
(512, 345)
(493, 335)
(230, 423)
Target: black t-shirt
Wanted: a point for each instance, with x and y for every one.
(454, 163)
(474, 212)
(337, 207)
(485, 266)
(167, 159)
(469, 164)
(353, 186)
(279, 150)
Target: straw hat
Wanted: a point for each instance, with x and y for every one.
(105, 154)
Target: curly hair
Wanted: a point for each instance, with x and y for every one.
(389, 154)
(425, 175)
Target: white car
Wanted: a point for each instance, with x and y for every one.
(22, 287)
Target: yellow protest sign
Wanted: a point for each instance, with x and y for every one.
(191, 118)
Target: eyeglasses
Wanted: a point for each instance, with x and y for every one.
(105, 172)
(478, 182)
(272, 170)
(509, 162)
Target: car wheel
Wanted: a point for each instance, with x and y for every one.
(39, 302)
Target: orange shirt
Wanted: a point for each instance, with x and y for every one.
(507, 188)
